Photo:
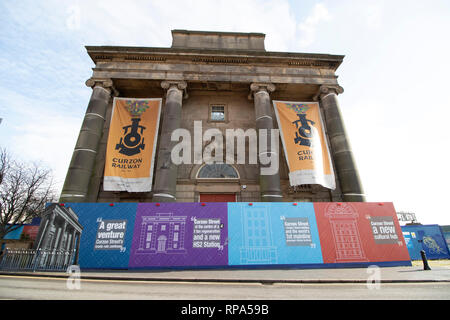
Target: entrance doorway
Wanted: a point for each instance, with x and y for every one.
(208, 197)
(162, 243)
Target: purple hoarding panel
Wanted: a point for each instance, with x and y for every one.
(180, 234)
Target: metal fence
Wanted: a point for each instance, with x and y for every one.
(32, 260)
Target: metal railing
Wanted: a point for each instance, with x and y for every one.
(32, 260)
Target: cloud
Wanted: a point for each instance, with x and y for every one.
(44, 64)
(308, 27)
(148, 23)
(35, 131)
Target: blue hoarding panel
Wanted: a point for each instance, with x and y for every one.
(14, 235)
(428, 238)
(107, 234)
(36, 221)
(446, 232)
(272, 234)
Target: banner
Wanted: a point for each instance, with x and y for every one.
(131, 145)
(304, 143)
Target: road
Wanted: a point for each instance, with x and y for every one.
(20, 287)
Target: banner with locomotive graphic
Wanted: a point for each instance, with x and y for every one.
(304, 143)
(131, 145)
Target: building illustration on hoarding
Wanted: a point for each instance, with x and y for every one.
(59, 230)
(257, 245)
(163, 233)
(343, 220)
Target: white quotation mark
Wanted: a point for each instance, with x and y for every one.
(73, 282)
(373, 281)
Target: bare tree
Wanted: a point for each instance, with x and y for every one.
(3, 163)
(24, 191)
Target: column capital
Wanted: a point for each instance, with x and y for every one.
(256, 87)
(181, 85)
(328, 89)
(51, 217)
(106, 84)
(177, 84)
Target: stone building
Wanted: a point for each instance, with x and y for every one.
(59, 230)
(163, 233)
(225, 80)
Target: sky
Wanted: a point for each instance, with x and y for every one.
(395, 104)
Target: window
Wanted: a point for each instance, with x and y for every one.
(217, 113)
(163, 227)
(217, 170)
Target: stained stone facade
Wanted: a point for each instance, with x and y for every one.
(203, 72)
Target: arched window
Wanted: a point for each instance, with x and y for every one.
(217, 171)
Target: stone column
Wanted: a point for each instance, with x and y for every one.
(72, 239)
(58, 245)
(166, 171)
(77, 248)
(57, 234)
(81, 167)
(269, 184)
(42, 237)
(346, 170)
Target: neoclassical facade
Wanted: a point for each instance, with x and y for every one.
(226, 80)
(59, 230)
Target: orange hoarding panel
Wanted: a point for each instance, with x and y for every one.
(131, 145)
(305, 146)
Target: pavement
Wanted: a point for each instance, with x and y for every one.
(440, 272)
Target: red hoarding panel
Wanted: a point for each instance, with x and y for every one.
(31, 231)
(359, 232)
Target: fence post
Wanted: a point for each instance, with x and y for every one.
(424, 260)
(3, 258)
(36, 259)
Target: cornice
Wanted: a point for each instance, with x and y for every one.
(246, 34)
(211, 56)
